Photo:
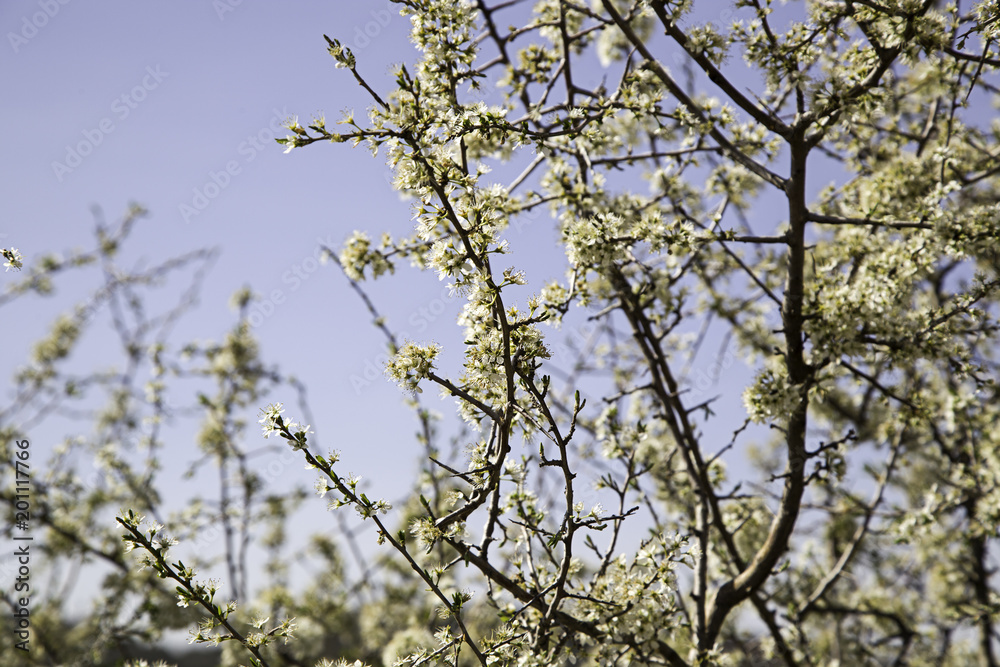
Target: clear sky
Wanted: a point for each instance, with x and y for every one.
(175, 106)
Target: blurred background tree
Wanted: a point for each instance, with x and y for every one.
(846, 514)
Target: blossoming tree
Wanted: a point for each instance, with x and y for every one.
(866, 309)
(812, 186)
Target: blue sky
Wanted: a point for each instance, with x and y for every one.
(176, 107)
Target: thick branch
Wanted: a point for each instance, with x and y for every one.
(760, 568)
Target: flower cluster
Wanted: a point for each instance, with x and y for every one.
(771, 397)
(411, 364)
(359, 254)
(596, 241)
(271, 421)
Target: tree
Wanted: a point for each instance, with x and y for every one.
(865, 311)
